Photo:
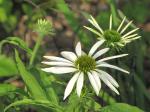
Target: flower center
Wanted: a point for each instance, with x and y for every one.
(112, 36)
(85, 63)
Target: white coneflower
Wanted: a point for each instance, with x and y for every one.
(83, 65)
(114, 37)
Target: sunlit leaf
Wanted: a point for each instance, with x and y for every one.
(42, 103)
(120, 107)
(32, 84)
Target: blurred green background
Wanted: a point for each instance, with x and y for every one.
(17, 18)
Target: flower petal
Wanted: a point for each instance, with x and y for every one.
(105, 80)
(80, 83)
(94, 31)
(59, 70)
(100, 52)
(56, 63)
(112, 66)
(121, 24)
(69, 55)
(96, 77)
(130, 36)
(78, 49)
(109, 78)
(93, 83)
(54, 58)
(70, 85)
(111, 57)
(130, 32)
(126, 27)
(95, 47)
(95, 24)
(110, 22)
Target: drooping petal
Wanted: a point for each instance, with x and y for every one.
(109, 77)
(112, 66)
(80, 83)
(69, 55)
(60, 70)
(55, 58)
(96, 77)
(78, 49)
(95, 47)
(110, 22)
(105, 80)
(111, 57)
(93, 83)
(56, 63)
(100, 52)
(121, 24)
(70, 85)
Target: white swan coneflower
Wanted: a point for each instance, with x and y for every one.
(83, 65)
(114, 37)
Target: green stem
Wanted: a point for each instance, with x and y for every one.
(35, 50)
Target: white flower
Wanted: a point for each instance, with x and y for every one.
(83, 65)
(114, 37)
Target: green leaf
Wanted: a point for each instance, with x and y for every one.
(120, 107)
(42, 103)
(47, 84)
(6, 89)
(32, 84)
(18, 42)
(7, 67)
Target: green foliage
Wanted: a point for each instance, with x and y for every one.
(6, 89)
(17, 42)
(44, 92)
(5, 64)
(41, 103)
(34, 87)
(120, 107)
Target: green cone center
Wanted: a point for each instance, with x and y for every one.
(85, 63)
(112, 36)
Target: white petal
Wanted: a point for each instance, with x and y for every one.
(100, 52)
(95, 47)
(93, 83)
(134, 38)
(78, 49)
(54, 58)
(59, 70)
(109, 78)
(56, 63)
(121, 24)
(94, 31)
(80, 83)
(94, 23)
(111, 57)
(70, 85)
(112, 66)
(132, 31)
(125, 27)
(96, 77)
(105, 80)
(69, 55)
(130, 36)
(110, 23)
